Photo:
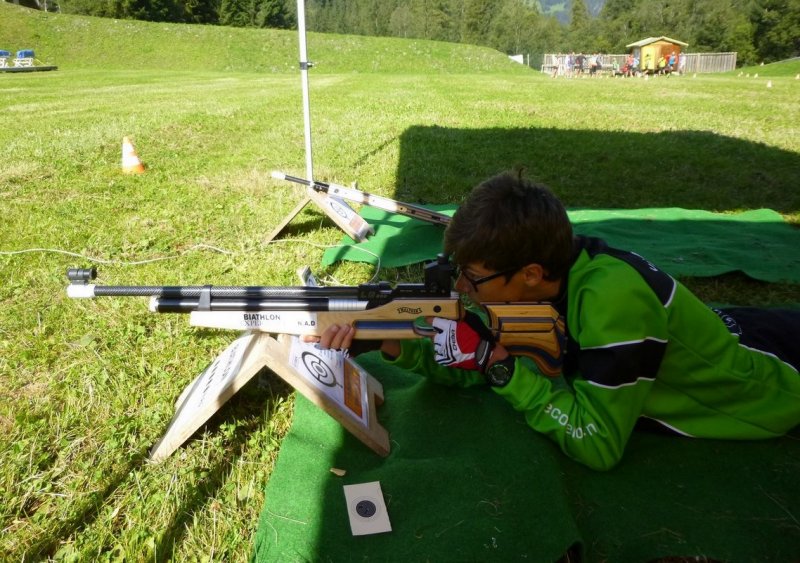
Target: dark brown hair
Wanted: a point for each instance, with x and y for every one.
(507, 222)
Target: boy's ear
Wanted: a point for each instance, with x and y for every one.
(533, 274)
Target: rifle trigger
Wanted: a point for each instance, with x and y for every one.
(204, 303)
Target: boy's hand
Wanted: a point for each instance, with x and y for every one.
(340, 337)
(335, 337)
(465, 344)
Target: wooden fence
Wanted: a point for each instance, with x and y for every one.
(695, 62)
(710, 62)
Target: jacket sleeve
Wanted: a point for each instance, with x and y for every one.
(417, 355)
(591, 424)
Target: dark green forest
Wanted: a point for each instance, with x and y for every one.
(758, 30)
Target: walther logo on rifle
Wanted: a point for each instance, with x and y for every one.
(410, 310)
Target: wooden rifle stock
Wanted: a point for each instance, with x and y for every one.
(535, 330)
(397, 319)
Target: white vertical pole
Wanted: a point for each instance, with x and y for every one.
(301, 27)
(335, 208)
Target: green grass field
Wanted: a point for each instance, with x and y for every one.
(87, 387)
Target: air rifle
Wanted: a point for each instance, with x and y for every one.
(378, 311)
(357, 196)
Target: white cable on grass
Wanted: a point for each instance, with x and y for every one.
(115, 262)
(195, 247)
(378, 258)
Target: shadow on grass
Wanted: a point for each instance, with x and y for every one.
(598, 173)
(603, 169)
(601, 175)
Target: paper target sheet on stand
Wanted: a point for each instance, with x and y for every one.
(335, 383)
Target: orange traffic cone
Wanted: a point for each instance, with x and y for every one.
(130, 161)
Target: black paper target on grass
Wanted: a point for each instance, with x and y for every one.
(318, 369)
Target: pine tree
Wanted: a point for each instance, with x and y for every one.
(512, 27)
(235, 13)
(777, 29)
(201, 11)
(580, 27)
(477, 17)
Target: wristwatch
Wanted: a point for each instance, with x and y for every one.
(499, 373)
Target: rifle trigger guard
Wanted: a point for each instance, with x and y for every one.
(204, 303)
(424, 330)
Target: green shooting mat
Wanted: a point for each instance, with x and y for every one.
(683, 242)
(467, 480)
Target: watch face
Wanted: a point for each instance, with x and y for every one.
(498, 374)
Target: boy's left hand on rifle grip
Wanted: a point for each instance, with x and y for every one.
(335, 337)
(340, 337)
(465, 344)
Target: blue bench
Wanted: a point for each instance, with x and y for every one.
(25, 57)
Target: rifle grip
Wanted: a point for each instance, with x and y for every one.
(534, 330)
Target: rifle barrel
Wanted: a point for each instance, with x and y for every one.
(177, 305)
(224, 292)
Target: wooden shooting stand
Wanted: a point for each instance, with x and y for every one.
(346, 218)
(336, 209)
(336, 384)
(327, 378)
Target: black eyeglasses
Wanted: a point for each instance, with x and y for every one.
(475, 282)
